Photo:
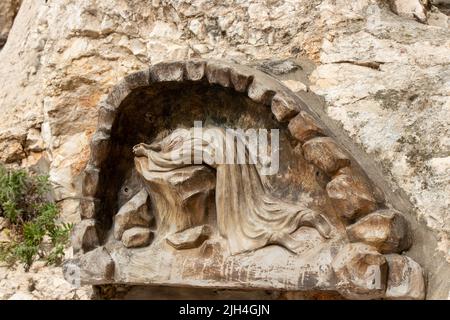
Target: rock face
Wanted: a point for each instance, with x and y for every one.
(384, 85)
(361, 272)
(406, 280)
(386, 230)
(190, 238)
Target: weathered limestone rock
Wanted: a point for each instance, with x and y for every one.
(137, 237)
(8, 9)
(283, 107)
(189, 238)
(96, 265)
(325, 154)
(134, 213)
(303, 127)
(384, 83)
(414, 9)
(21, 296)
(405, 279)
(84, 236)
(351, 195)
(386, 230)
(361, 272)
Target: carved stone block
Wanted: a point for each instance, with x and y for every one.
(284, 107)
(218, 73)
(133, 214)
(195, 70)
(167, 72)
(90, 181)
(94, 267)
(241, 79)
(350, 195)
(100, 147)
(386, 230)
(172, 211)
(84, 236)
(361, 272)
(325, 154)
(406, 279)
(260, 91)
(189, 238)
(137, 237)
(303, 127)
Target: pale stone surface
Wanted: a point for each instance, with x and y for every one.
(189, 238)
(41, 282)
(8, 9)
(137, 237)
(405, 280)
(385, 83)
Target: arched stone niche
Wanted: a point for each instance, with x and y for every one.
(188, 226)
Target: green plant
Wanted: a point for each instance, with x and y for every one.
(33, 219)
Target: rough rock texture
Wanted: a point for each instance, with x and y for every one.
(405, 279)
(190, 238)
(8, 9)
(386, 230)
(361, 271)
(384, 79)
(137, 237)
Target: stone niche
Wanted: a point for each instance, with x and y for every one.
(315, 226)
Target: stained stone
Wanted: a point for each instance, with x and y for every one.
(189, 238)
(137, 237)
(405, 279)
(88, 207)
(303, 127)
(350, 195)
(195, 70)
(325, 154)
(84, 236)
(133, 214)
(100, 147)
(218, 73)
(386, 230)
(167, 72)
(361, 271)
(260, 91)
(94, 267)
(90, 181)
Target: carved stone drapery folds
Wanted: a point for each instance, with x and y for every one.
(150, 218)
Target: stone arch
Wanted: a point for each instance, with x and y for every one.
(347, 186)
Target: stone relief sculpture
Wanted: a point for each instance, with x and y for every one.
(247, 215)
(155, 213)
